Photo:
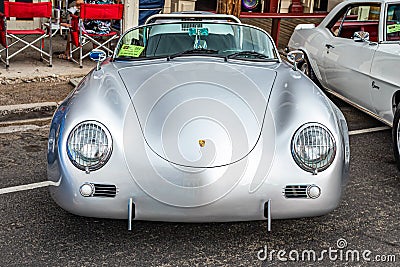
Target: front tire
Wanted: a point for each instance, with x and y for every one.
(306, 68)
(396, 136)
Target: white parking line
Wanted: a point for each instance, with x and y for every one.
(22, 122)
(25, 187)
(28, 106)
(20, 128)
(369, 130)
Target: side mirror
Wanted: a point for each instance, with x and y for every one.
(361, 36)
(295, 57)
(98, 56)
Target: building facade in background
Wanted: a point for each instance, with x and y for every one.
(282, 6)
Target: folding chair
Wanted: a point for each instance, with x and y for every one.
(9, 38)
(80, 38)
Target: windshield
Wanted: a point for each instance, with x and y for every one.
(196, 38)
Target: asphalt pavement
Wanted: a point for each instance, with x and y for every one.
(34, 231)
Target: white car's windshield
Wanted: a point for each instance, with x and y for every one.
(196, 38)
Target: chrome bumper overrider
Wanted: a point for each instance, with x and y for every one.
(131, 207)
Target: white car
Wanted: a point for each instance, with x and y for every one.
(355, 55)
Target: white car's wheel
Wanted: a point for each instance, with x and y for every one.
(307, 69)
(396, 136)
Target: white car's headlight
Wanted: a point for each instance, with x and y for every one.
(89, 145)
(313, 147)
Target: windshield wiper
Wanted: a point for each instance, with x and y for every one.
(247, 55)
(198, 51)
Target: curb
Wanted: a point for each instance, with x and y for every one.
(21, 113)
(27, 111)
(46, 78)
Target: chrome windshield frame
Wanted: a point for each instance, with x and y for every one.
(274, 49)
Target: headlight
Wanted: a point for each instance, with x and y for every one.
(313, 147)
(89, 145)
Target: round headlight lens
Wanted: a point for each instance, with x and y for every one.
(89, 145)
(313, 147)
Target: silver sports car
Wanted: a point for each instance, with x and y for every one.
(196, 118)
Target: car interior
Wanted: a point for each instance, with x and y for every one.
(393, 23)
(357, 18)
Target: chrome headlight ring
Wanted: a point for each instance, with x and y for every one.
(313, 147)
(89, 145)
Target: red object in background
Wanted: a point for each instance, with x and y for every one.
(24, 10)
(80, 38)
(296, 7)
(102, 11)
(3, 41)
(273, 6)
(27, 10)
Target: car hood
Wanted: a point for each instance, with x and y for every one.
(199, 114)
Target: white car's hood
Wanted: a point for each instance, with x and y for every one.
(200, 114)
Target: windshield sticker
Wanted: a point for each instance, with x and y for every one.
(198, 31)
(393, 28)
(128, 50)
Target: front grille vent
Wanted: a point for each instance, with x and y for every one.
(296, 191)
(104, 190)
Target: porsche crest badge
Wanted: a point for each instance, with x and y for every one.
(202, 142)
